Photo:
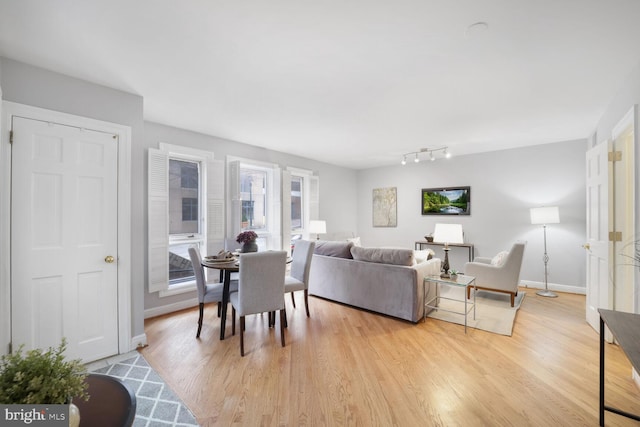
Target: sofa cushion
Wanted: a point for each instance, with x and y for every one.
(335, 249)
(383, 255)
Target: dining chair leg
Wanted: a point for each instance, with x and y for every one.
(293, 300)
(200, 319)
(233, 320)
(286, 323)
(306, 301)
(242, 336)
(283, 319)
(219, 308)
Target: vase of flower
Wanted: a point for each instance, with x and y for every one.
(248, 240)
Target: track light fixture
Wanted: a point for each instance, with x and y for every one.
(429, 151)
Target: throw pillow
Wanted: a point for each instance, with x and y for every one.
(423, 255)
(499, 259)
(335, 249)
(355, 241)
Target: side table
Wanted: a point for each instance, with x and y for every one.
(460, 281)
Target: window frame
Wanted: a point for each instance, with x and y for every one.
(200, 239)
(269, 237)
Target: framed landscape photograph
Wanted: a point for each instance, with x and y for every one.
(446, 201)
(385, 207)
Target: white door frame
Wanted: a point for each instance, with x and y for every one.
(10, 109)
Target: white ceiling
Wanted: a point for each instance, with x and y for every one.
(350, 82)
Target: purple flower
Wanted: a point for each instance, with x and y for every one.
(246, 237)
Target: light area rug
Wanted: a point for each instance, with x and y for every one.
(156, 404)
(493, 310)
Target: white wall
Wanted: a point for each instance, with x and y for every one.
(338, 200)
(29, 85)
(504, 185)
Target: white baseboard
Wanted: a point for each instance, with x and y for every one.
(554, 287)
(170, 308)
(636, 377)
(138, 341)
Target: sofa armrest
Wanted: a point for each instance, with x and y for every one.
(482, 260)
(427, 268)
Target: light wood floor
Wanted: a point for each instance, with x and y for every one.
(344, 366)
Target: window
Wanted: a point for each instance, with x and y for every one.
(299, 203)
(184, 212)
(297, 197)
(253, 192)
(185, 209)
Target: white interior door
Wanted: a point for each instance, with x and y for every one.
(597, 245)
(64, 228)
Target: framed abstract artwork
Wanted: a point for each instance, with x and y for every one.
(385, 212)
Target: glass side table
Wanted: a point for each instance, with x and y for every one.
(460, 281)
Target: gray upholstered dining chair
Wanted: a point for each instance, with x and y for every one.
(298, 279)
(207, 292)
(260, 289)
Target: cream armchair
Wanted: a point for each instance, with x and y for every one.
(499, 274)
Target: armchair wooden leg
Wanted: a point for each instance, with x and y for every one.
(306, 301)
(283, 319)
(513, 297)
(293, 300)
(242, 336)
(201, 306)
(286, 323)
(468, 292)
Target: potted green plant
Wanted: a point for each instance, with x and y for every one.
(41, 377)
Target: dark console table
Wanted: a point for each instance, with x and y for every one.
(625, 328)
(422, 243)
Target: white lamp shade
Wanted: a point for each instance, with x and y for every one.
(317, 227)
(545, 215)
(448, 233)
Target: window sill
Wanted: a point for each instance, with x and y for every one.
(181, 288)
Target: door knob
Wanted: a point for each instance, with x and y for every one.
(587, 246)
(109, 259)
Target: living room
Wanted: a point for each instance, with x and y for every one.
(505, 183)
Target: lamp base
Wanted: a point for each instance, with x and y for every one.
(546, 293)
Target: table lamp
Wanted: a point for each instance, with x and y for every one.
(544, 216)
(317, 228)
(447, 233)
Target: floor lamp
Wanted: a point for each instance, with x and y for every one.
(544, 216)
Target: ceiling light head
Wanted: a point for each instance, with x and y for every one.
(432, 157)
(416, 159)
(404, 160)
(447, 154)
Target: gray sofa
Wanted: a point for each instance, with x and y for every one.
(387, 281)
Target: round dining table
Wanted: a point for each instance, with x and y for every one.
(226, 266)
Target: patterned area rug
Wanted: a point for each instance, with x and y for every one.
(157, 404)
(493, 310)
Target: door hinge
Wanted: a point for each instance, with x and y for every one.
(615, 156)
(11, 137)
(615, 236)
